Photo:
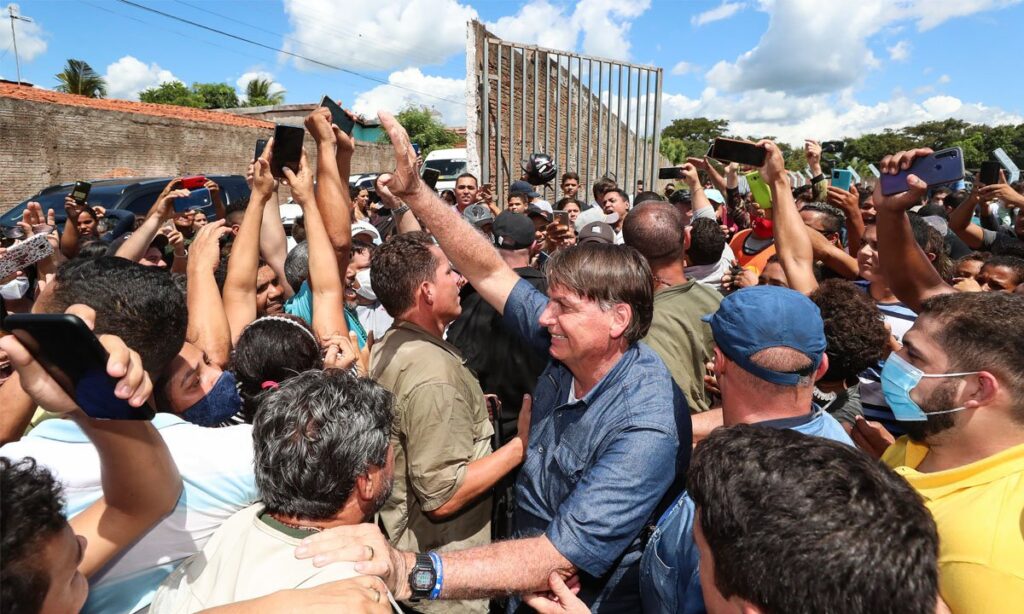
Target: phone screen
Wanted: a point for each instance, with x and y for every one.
(338, 117)
(742, 152)
(671, 172)
(81, 191)
(261, 144)
(287, 149)
(197, 199)
(989, 174)
(66, 348)
(430, 177)
(562, 218)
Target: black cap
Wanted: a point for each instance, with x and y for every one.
(596, 232)
(512, 231)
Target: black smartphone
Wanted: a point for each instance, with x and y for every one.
(261, 144)
(742, 152)
(287, 149)
(671, 172)
(338, 116)
(833, 147)
(989, 173)
(430, 177)
(81, 191)
(70, 352)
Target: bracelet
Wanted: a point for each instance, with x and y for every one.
(436, 558)
(400, 210)
(817, 178)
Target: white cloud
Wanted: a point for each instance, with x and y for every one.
(944, 79)
(813, 47)
(128, 76)
(900, 52)
(606, 24)
(720, 12)
(538, 23)
(30, 35)
(244, 80)
(394, 99)
(683, 68)
(376, 35)
(824, 116)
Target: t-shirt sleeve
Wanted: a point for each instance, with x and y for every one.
(988, 238)
(440, 433)
(301, 304)
(602, 516)
(704, 212)
(522, 314)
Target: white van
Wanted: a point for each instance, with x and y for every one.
(450, 163)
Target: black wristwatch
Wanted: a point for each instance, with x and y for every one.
(422, 577)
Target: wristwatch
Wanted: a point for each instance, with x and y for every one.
(400, 210)
(423, 577)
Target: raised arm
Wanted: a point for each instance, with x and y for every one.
(705, 164)
(243, 264)
(791, 241)
(907, 268)
(332, 193)
(699, 200)
(468, 250)
(961, 224)
(135, 246)
(208, 325)
(849, 202)
(69, 238)
(405, 221)
(812, 153)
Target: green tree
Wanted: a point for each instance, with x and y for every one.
(425, 129)
(216, 95)
(258, 94)
(699, 129)
(172, 92)
(79, 78)
(674, 149)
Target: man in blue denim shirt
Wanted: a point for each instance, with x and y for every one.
(609, 437)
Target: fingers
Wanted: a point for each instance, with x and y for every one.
(558, 587)
(331, 357)
(265, 156)
(527, 403)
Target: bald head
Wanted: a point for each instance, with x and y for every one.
(655, 229)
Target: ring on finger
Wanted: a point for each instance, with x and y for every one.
(376, 595)
(370, 548)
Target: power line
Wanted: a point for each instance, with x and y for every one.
(289, 53)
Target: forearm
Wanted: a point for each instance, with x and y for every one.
(243, 264)
(481, 476)
(406, 222)
(69, 238)
(833, 257)
(333, 199)
(324, 276)
(717, 179)
(504, 568)
(17, 410)
(907, 268)
(854, 231)
(960, 222)
(135, 246)
(274, 243)
(705, 422)
(699, 199)
(792, 244)
(207, 323)
(819, 188)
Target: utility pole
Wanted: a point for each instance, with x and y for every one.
(14, 38)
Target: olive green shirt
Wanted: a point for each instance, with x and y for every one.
(441, 425)
(682, 339)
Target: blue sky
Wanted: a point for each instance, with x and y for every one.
(790, 68)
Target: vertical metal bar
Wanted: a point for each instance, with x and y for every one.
(636, 135)
(558, 110)
(579, 113)
(648, 176)
(498, 115)
(522, 117)
(657, 122)
(618, 126)
(547, 107)
(511, 106)
(590, 109)
(624, 180)
(535, 115)
(608, 128)
(600, 117)
(568, 111)
(485, 147)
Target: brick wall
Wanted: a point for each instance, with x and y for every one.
(43, 143)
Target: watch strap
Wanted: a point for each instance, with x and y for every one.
(423, 563)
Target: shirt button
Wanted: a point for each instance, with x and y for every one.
(540, 449)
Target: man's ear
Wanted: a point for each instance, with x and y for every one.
(622, 315)
(822, 368)
(686, 239)
(366, 483)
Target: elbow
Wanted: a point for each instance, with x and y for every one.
(450, 508)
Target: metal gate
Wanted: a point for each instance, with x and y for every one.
(594, 116)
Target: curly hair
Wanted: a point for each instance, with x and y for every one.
(854, 329)
(31, 512)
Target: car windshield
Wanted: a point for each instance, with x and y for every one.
(102, 196)
(449, 169)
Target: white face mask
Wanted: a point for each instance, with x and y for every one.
(14, 289)
(364, 290)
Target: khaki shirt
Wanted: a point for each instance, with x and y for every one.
(441, 425)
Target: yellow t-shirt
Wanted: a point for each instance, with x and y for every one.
(979, 512)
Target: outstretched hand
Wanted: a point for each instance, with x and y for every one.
(404, 181)
(892, 165)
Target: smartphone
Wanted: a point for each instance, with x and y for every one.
(193, 183)
(945, 166)
(261, 144)
(841, 178)
(1012, 172)
(832, 147)
(742, 152)
(671, 172)
(338, 116)
(81, 191)
(989, 173)
(416, 148)
(24, 254)
(287, 149)
(759, 190)
(562, 218)
(430, 177)
(74, 357)
(198, 199)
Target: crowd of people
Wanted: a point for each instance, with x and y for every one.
(683, 401)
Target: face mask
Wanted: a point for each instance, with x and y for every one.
(899, 377)
(14, 289)
(365, 290)
(222, 402)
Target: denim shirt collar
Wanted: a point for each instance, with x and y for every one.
(565, 378)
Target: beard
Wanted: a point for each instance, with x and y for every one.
(384, 493)
(941, 399)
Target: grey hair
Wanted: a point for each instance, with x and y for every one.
(314, 436)
(296, 265)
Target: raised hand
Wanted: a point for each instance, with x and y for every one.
(262, 181)
(812, 152)
(319, 125)
(205, 248)
(774, 168)
(301, 183)
(892, 165)
(404, 181)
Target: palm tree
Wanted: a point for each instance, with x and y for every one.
(79, 78)
(258, 93)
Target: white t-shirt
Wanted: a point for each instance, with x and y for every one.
(217, 471)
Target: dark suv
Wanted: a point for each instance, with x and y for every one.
(135, 194)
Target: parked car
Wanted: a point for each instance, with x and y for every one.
(363, 181)
(449, 163)
(135, 194)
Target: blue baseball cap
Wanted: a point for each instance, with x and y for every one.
(762, 317)
(523, 187)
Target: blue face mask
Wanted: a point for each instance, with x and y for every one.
(222, 402)
(899, 377)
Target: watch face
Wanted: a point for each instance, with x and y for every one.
(423, 578)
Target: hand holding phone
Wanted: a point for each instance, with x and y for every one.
(842, 179)
(936, 168)
(64, 367)
(339, 117)
(286, 149)
(25, 254)
(743, 152)
(430, 177)
(989, 173)
(80, 193)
